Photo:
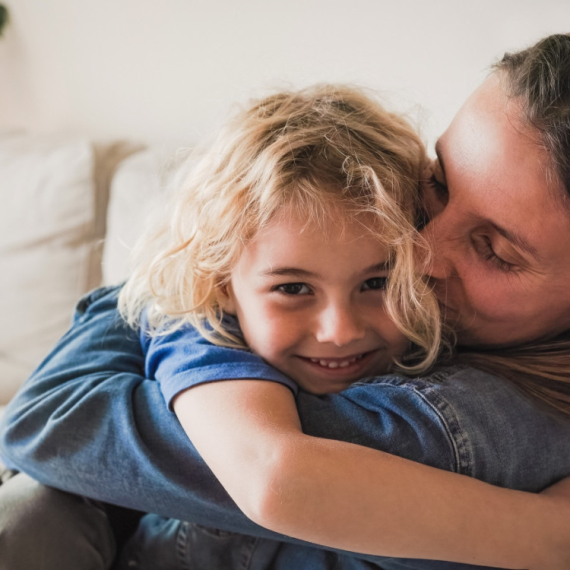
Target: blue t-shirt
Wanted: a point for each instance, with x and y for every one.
(184, 359)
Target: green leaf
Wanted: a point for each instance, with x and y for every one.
(3, 17)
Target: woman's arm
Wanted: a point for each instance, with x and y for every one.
(89, 422)
(353, 498)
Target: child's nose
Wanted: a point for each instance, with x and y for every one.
(339, 324)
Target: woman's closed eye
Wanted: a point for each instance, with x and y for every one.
(486, 250)
(293, 289)
(435, 196)
(375, 284)
(439, 189)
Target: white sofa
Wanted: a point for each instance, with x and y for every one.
(70, 211)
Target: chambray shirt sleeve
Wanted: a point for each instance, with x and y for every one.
(184, 358)
(89, 422)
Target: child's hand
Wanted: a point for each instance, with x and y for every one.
(558, 555)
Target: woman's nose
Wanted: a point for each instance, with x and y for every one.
(437, 262)
(339, 325)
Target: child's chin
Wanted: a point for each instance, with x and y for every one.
(319, 390)
(322, 386)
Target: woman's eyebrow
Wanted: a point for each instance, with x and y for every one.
(519, 241)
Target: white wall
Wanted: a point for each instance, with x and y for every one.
(171, 69)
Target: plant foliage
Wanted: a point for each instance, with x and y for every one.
(3, 17)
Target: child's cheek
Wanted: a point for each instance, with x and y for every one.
(279, 334)
(267, 329)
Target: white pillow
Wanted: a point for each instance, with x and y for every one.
(140, 187)
(48, 255)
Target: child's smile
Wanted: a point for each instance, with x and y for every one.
(310, 301)
(344, 362)
(345, 370)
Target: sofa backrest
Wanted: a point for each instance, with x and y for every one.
(53, 208)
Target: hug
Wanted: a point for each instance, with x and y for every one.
(331, 352)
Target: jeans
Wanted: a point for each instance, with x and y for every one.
(168, 544)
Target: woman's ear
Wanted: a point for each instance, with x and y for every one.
(227, 299)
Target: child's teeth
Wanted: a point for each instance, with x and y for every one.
(336, 363)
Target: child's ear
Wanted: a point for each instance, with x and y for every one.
(227, 299)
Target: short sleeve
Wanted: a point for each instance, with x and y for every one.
(184, 359)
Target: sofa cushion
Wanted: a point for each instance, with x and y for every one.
(48, 245)
(139, 190)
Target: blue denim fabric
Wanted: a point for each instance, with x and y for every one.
(90, 423)
(170, 544)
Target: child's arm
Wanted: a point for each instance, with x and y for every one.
(354, 498)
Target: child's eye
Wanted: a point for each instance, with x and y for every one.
(374, 284)
(293, 289)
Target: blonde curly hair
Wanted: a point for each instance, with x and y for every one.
(317, 150)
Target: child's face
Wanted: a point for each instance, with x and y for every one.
(312, 304)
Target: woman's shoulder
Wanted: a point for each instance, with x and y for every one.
(498, 433)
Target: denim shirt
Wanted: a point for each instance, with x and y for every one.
(88, 421)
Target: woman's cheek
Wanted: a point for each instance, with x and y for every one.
(485, 297)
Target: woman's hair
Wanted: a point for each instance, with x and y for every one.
(318, 152)
(539, 78)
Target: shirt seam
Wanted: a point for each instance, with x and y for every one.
(450, 423)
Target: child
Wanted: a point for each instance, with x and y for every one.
(295, 237)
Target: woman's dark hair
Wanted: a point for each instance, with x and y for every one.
(539, 77)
